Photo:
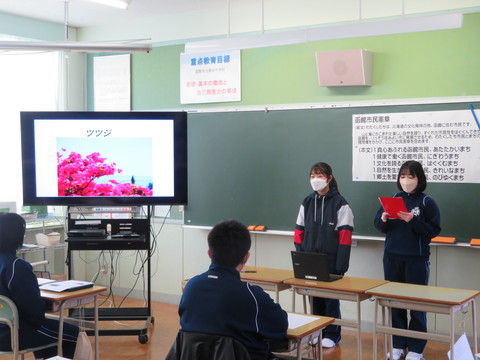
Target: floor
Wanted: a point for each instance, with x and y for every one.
(162, 334)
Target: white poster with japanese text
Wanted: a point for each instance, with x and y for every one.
(447, 143)
(210, 77)
(111, 83)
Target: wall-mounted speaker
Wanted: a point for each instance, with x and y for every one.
(344, 67)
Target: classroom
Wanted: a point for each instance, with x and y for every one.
(250, 159)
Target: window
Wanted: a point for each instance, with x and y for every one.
(28, 81)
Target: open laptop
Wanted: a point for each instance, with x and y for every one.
(312, 266)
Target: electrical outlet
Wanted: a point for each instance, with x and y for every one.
(104, 269)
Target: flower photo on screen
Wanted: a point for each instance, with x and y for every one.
(104, 167)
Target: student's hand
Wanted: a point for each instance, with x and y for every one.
(406, 216)
(385, 216)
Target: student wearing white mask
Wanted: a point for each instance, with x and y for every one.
(325, 224)
(407, 251)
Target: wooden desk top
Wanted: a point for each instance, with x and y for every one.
(54, 296)
(424, 293)
(319, 323)
(347, 283)
(265, 274)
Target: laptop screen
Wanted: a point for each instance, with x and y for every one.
(311, 266)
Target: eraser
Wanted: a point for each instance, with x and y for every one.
(444, 240)
(475, 242)
(251, 227)
(260, 228)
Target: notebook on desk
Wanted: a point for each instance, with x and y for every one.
(65, 285)
(312, 266)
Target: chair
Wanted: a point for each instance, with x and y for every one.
(198, 346)
(9, 316)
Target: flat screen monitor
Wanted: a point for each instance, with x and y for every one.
(104, 158)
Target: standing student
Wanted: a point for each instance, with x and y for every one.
(325, 225)
(407, 250)
(18, 283)
(219, 302)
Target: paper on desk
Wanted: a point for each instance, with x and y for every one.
(462, 349)
(297, 320)
(66, 285)
(43, 281)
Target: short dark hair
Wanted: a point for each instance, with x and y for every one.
(413, 167)
(229, 242)
(12, 231)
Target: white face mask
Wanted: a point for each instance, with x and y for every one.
(408, 185)
(318, 184)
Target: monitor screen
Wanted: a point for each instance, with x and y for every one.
(104, 158)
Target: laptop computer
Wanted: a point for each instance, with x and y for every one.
(312, 266)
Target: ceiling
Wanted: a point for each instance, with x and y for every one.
(83, 13)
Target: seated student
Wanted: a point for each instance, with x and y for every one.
(18, 282)
(218, 302)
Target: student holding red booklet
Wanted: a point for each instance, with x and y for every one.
(407, 250)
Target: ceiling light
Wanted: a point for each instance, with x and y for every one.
(120, 4)
(74, 46)
(365, 28)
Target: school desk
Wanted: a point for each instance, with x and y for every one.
(439, 300)
(348, 289)
(267, 278)
(61, 301)
(306, 332)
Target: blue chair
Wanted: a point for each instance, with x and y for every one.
(9, 316)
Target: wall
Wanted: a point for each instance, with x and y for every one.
(406, 66)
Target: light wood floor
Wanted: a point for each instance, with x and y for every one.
(162, 334)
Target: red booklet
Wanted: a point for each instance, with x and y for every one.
(393, 205)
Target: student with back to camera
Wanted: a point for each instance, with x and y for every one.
(407, 250)
(325, 225)
(219, 302)
(19, 283)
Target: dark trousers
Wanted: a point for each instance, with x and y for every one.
(47, 333)
(329, 307)
(412, 272)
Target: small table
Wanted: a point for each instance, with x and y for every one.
(425, 298)
(267, 278)
(347, 288)
(308, 330)
(69, 299)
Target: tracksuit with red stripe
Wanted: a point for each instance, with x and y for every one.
(325, 224)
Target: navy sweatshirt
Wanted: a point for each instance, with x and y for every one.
(218, 302)
(411, 239)
(18, 282)
(325, 224)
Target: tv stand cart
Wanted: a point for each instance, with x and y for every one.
(128, 229)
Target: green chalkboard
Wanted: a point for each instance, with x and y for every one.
(254, 166)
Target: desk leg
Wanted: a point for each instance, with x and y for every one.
(299, 350)
(319, 347)
(375, 322)
(359, 330)
(474, 325)
(95, 311)
(294, 292)
(452, 333)
(60, 330)
(390, 325)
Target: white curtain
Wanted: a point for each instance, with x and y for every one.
(28, 82)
